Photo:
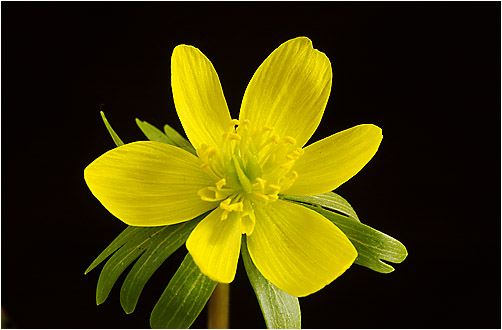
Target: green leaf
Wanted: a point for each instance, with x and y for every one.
(122, 258)
(330, 201)
(183, 299)
(120, 240)
(162, 245)
(373, 247)
(280, 310)
(153, 244)
(153, 133)
(179, 140)
(170, 137)
(114, 135)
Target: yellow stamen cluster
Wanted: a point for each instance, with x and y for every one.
(252, 165)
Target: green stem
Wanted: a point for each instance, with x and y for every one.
(218, 315)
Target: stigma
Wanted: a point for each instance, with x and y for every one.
(252, 165)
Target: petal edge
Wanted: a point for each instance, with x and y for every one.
(330, 162)
(297, 249)
(198, 96)
(215, 246)
(149, 184)
(290, 90)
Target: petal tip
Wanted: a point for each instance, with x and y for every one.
(214, 246)
(217, 277)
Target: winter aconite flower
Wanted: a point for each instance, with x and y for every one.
(241, 169)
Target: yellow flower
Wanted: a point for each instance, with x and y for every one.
(243, 167)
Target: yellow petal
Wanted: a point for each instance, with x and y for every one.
(330, 162)
(198, 96)
(149, 184)
(297, 249)
(215, 244)
(289, 91)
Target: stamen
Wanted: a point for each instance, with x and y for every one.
(273, 198)
(288, 165)
(262, 197)
(275, 138)
(221, 183)
(227, 136)
(299, 152)
(208, 169)
(288, 182)
(211, 152)
(251, 165)
(208, 194)
(289, 140)
(261, 182)
(239, 207)
(243, 127)
(275, 188)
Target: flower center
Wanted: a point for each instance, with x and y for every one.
(253, 165)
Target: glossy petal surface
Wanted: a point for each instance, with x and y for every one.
(289, 91)
(297, 249)
(215, 245)
(198, 96)
(149, 184)
(332, 161)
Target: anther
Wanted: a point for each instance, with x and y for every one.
(243, 126)
(201, 150)
(231, 207)
(273, 197)
(262, 183)
(263, 197)
(287, 165)
(231, 136)
(289, 139)
(275, 188)
(210, 152)
(297, 153)
(208, 195)
(287, 184)
(221, 183)
(274, 138)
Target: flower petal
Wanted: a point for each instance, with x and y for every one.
(330, 162)
(198, 96)
(215, 244)
(289, 91)
(149, 184)
(297, 249)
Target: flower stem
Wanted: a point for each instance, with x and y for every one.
(218, 316)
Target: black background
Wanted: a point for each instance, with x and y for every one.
(427, 73)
